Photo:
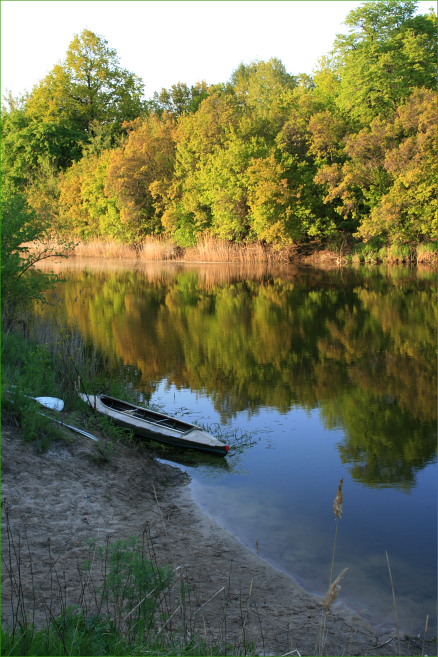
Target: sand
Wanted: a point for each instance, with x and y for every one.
(54, 502)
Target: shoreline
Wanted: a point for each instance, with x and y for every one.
(65, 497)
(344, 608)
(210, 251)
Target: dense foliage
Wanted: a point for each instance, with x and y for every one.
(267, 156)
(26, 240)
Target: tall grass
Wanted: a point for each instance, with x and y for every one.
(125, 603)
(104, 249)
(209, 249)
(334, 588)
(394, 601)
(41, 358)
(427, 253)
(371, 252)
(213, 250)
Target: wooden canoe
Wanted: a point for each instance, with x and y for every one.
(160, 427)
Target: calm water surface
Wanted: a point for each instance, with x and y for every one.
(310, 376)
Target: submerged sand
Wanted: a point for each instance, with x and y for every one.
(55, 502)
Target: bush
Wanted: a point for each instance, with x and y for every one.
(427, 253)
(400, 253)
(21, 282)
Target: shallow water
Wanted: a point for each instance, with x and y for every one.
(311, 376)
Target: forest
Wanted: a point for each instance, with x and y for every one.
(347, 153)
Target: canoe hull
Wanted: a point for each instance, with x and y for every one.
(156, 426)
(176, 441)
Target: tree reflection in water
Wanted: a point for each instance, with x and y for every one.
(360, 345)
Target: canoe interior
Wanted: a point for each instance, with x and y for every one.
(145, 414)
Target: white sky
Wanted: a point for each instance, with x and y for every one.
(167, 41)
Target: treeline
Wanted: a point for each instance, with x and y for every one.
(267, 156)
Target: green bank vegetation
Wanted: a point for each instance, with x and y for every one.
(126, 605)
(344, 155)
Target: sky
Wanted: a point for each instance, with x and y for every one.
(168, 41)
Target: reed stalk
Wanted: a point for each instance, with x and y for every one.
(426, 629)
(208, 249)
(394, 601)
(334, 584)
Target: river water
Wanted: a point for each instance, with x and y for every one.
(311, 376)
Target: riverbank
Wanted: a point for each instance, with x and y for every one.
(210, 250)
(56, 502)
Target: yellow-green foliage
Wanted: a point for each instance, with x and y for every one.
(269, 156)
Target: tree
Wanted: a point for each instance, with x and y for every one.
(30, 144)
(199, 137)
(361, 180)
(84, 207)
(89, 88)
(225, 181)
(179, 99)
(21, 282)
(74, 212)
(83, 100)
(408, 211)
(387, 183)
(270, 201)
(388, 52)
(265, 90)
(147, 157)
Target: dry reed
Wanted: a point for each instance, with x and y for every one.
(333, 591)
(334, 585)
(207, 250)
(104, 249)
(394, 601)
(339, 500)
(426, 629)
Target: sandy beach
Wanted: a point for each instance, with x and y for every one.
(55, 502)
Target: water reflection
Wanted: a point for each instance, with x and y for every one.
(358, 345)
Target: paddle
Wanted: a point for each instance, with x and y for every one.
(49, 402)
(56, 404)
(70, 426)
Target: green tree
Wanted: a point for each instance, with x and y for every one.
(225, 180)
(179, 99)
(388, 52)
(43, 194)
(199, 138)
(21, 282)
(84, 207)
(361, 180)
(270, 200)
(147, 158)
(265, 91)
(387, 184)
(84, 99)
(30, 144)
(408, 211)
(216, 148)
(88, 89)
